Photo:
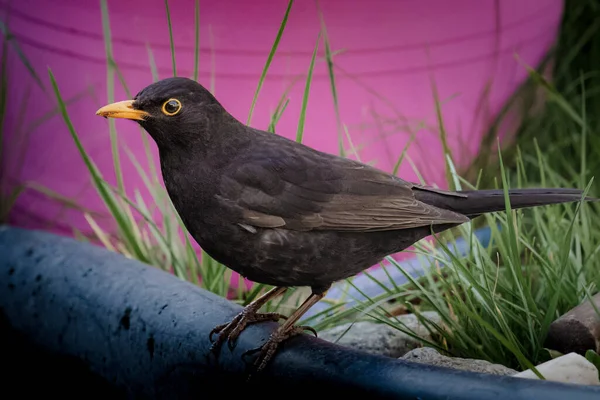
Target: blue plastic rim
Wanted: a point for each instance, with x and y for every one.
(77, 319)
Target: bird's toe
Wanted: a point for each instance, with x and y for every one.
(268, 350)
(231, 331)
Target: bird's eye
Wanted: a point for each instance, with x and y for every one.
(171, 107)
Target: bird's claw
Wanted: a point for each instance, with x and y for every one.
(232, 330)
(268, 350)
(308, 328)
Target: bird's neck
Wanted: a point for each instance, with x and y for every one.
(195, 168)
(188, 182)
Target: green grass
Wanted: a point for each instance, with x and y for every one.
(302, 118)
(196, 39)
(330, 69)
(171, 41)
(497, 302)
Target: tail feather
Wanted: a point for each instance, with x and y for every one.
(473, 203)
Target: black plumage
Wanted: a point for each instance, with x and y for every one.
(284, 214)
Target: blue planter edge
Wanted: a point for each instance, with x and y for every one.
(134, 331)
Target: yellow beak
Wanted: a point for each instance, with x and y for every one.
(122, 109)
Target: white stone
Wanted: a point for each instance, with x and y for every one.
(570, 368)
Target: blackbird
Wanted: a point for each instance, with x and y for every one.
(283, 214)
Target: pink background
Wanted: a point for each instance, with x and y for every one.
(390, 52)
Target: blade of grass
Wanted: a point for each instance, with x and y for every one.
(351, 143)
(403, 154)
(277, 115)
(302, 119)
(143, 134)
(99, 232)
(584, 133)
(152, 63)
(555, 96)
(442, 130)
(213, 60)
(269, 60)
(110, 87)
(196, 38)
(110, 201)
(9, 38)
(3, 97)
(281, 105)
(172, 44)
(3, 90)
(36, 123)
(330, 70)
(514, 259)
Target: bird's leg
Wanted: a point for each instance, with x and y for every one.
(249, 315)
(285, 331)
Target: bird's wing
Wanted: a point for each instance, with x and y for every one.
(309, 190)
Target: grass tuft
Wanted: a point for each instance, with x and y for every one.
(497, 302)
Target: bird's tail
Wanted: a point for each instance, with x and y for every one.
(473, 203)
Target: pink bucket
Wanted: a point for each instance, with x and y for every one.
(389, 54)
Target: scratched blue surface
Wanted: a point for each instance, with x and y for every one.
(124, 329)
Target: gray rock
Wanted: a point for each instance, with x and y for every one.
(427, 355)
(380, 338)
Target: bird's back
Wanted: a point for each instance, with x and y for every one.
(262, 211)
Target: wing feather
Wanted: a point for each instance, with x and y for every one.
(291, 188)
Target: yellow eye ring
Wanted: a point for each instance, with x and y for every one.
(171, 107)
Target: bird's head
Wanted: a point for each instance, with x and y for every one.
(176, 112)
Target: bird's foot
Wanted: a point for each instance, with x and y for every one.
(230, 331)
(268, 350)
